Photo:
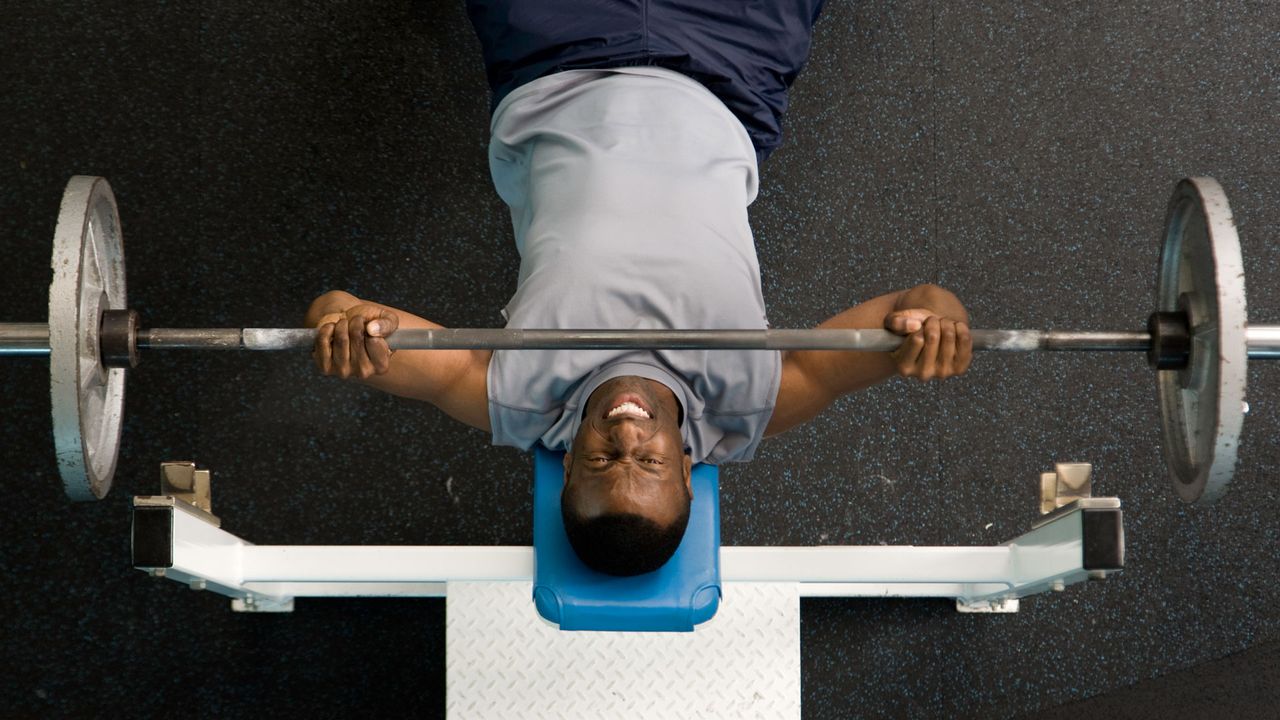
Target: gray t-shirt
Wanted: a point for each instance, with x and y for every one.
(628, 191)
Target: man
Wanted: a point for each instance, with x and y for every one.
(626, 138)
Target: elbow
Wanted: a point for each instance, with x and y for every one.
(935, 298)
(930, 292)
(330, 302)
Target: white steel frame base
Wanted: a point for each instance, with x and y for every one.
(1081, 541)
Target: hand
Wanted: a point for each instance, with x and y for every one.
(936, 347)
(353, 343)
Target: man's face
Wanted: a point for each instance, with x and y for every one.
(628, 456)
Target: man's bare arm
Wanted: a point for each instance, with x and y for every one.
(352, 344)
(937, 346)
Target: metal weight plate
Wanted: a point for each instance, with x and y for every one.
(1202, 405)
(88, 277)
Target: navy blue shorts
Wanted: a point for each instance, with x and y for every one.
(746, 52)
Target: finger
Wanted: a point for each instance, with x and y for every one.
(323, 352)
(929, 354)
(907, 356)
(376, 345)
(964, 348)
(382, 326)
(947, 350)
(905, 322)
(361, 366)
(379, 353)
(342, 348)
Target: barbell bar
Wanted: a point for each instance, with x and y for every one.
(1263, 341)
(1198, 339)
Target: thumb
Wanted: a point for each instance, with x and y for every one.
(905, 322)
(383, 325)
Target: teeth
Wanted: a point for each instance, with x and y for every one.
(629, 408)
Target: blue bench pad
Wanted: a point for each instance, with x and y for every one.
(673, 598)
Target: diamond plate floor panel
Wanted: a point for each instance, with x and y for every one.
(505, 661)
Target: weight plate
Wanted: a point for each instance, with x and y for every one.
(1202, 405)
(88, 277)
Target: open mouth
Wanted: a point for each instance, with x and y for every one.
(628, 406)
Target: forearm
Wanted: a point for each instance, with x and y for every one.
(429, 375)
(831, 374)
(840, 373)
(813, 379)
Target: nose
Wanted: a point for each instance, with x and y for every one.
(626, 434)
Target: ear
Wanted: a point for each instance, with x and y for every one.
(568, 465)
(688, 474)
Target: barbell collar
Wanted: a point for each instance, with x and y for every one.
(1170, 347)
(118, 338)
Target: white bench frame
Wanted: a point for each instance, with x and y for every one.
(175, 539)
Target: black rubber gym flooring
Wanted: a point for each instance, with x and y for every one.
(1020, 154)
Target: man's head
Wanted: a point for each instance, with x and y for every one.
(627, 478)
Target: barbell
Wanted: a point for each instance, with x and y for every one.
(1198, 340)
